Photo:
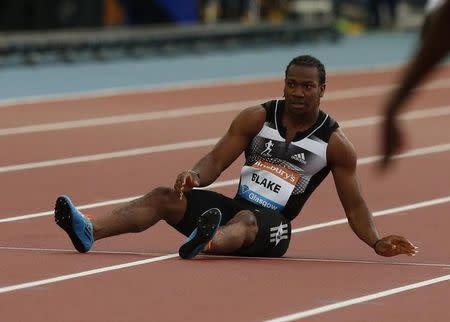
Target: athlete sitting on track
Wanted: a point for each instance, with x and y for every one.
(290, 146)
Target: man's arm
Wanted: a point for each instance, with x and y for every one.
(434, 47)
(243, 128)
(342, 159)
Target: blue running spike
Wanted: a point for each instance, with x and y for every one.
(74, 223)
(208, 223)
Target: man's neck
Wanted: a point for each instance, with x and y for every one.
(300, 122)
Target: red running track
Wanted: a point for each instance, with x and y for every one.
(324, 267)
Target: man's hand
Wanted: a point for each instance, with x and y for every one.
(394, 245)
(186, 180)
(392, 139)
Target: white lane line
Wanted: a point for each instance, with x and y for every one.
(198, 110)
(294, 259)
(353, 123)
(368, 160)
(111, 155)
(357, 300)
(112, 92)
(84, 273)
(128, 118)
(108, 203)
(380, 89)
(151, 260)
(422, 204)
(409, 154)
(60, 250)
(348, 261)
(207, 83)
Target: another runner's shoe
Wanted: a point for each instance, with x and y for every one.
(75, 224)
(208, 223)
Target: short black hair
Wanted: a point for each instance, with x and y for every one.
(310, 61)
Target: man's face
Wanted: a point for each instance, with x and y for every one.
(302, 90)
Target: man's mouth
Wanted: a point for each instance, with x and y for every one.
(298, 104)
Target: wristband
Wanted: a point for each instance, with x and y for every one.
(375, 245)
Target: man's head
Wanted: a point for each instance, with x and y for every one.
(304, 84)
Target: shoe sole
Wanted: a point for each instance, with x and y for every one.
(63, 218)
(208, 223)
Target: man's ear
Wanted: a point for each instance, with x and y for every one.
(322, 89)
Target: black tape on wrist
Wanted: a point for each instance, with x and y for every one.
(375, 244)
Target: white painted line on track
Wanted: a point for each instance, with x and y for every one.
(128, 118)
(112, 92)
(294, 259)
(353, 123)
(84, 273)
(111, 155)
(47, 281)
(348, 261)
(357, 300)
(422, 204)
(201, 110)
(207, 83)
(412, 153)
(60, 250)
(409, 154)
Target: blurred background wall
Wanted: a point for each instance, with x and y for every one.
(57, 14)
(65, 29)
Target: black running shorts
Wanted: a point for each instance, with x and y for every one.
(274, 231)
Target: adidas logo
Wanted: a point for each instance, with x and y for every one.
(300, 157)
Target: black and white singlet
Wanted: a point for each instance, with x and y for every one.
(282, 176)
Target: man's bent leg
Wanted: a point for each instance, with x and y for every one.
(140, 214)
(261, 232)
(238, 233)
(134, 216)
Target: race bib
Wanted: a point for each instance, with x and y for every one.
(267, 184)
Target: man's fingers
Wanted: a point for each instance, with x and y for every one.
(396, 245)
(185, 182)
(193, 181)
(407, 248)
(196, 183)
(404, 242)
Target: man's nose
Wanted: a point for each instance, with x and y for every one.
(298, 91)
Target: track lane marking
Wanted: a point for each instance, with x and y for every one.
(186, 85)
(293, 259)
(199, 110)
(338, 305)
(352, 123)
(363, 161)
(422, 204)
(10, 288)
(105, 269)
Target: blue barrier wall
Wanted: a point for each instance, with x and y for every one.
(181, 11)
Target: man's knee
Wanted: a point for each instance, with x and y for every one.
(166, 202)
(247, 219)
(159, 196)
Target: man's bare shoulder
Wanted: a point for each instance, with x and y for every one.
(340, 151)
(255, 113)
(250, 120)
